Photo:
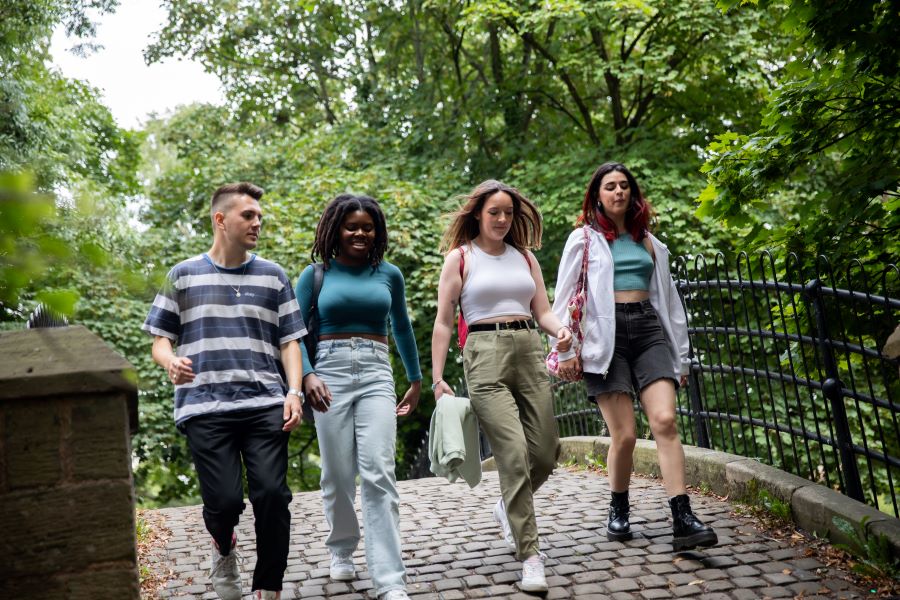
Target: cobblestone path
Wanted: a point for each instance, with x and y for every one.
(453, 550)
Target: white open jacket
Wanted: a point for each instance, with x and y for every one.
(599, 322)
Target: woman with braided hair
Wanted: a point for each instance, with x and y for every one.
(352, 387)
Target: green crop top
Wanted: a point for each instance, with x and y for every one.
(361, 300)
(633, 264)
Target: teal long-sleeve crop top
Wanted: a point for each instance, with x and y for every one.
(361, 300)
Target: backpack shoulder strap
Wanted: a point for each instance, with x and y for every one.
(318, 278)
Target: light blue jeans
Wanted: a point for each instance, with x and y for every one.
(358, 436)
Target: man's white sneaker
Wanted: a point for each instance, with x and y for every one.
(533, 579)
(394, 595)
(342, 568)
(225, 572)
(500, 517)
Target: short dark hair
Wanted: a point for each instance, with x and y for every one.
(223, 194)
(328, 241)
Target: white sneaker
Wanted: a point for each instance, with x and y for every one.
(394, 595)
(225, 572)
(342, 568)
(500, 517)
(533, 579)
(267, 595)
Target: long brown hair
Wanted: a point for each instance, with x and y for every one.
(637, 217)
(525, 233)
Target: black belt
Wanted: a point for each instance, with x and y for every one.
(520, 324)
(640, 306)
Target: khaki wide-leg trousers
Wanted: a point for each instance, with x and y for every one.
(510, 393)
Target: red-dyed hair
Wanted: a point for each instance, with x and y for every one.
(637, 217)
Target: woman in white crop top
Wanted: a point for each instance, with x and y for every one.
(490, 272)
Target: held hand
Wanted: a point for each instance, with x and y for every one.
(180, 371)
(563, 339)
(683, 381)
(293, 412)
(317, 393)
(569, 370)
(410, 399)
(441, 389)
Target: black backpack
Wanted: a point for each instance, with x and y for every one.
(311, 339)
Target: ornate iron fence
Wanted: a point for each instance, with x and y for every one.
(787, 367)
(790, 370)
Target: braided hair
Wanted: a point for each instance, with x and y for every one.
(327, 244)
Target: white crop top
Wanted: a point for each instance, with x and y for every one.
(496, 286)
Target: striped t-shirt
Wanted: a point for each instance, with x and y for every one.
(231, 324)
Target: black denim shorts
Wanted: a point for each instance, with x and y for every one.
(641, 355)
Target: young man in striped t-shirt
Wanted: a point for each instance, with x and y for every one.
(237, 373)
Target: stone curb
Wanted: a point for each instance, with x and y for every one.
(741, 479)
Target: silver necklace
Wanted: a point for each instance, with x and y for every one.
(237, 290)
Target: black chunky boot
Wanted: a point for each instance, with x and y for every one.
(689, 531)
(617, 527)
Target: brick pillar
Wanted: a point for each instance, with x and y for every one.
(67, 407)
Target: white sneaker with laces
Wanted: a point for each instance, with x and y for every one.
(342, 568)
(500, 517)
(225, 572)
(533, 579)
(394, 595)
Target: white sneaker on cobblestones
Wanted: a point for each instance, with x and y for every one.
(342, 568)
(267, 595)
(533, 579)
(500, 517)
(225, 571)
(394, 595)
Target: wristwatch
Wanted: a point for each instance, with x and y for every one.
(295, 392)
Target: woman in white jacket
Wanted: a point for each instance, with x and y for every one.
(635, 341)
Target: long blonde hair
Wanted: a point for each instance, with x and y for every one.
(525, 233)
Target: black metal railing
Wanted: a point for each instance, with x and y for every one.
(787, 367)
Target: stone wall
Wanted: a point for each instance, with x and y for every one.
(67, 406)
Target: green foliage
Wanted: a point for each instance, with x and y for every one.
(569, 462)
(774, 506)
(201, 147)
(876, 559)
(820, 173)
(59, 146)
(595, 461)
(24, 250)
(143, 530)
(770, 337)
(414, 103)
(52, 126)
(480, 86)
(25, 23)
(759, 499)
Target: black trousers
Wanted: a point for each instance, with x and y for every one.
(218, 443)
